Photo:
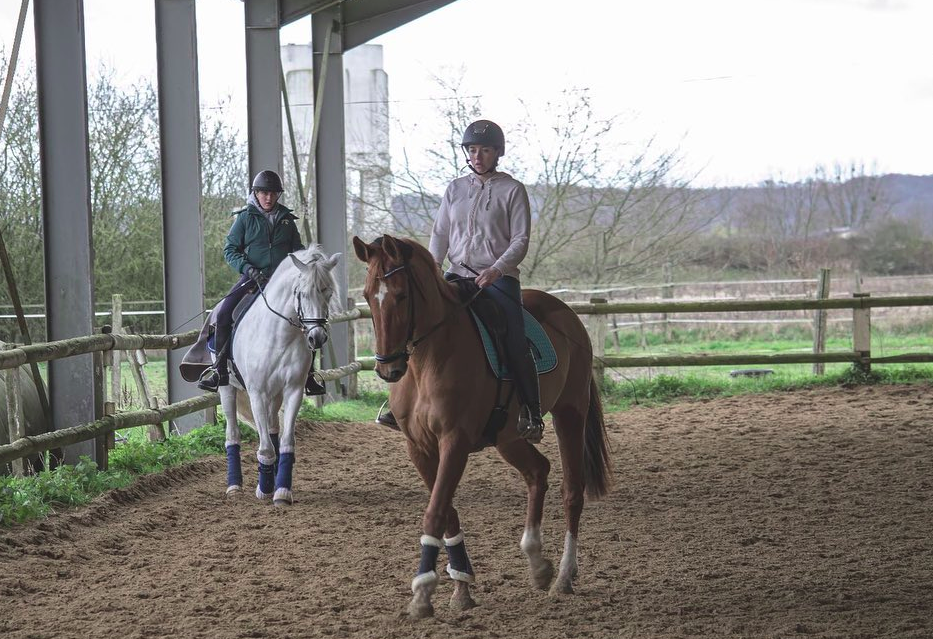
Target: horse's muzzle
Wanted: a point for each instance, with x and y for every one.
(317, 337)
(392, 372)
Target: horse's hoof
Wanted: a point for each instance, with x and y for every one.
(420, 610)
(542, 575)
(561, 587)
(283, 497)
(461, 601)
(233, 492)
(261, 495)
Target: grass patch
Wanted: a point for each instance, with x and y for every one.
(362, 409)
(38, 495)
(662, 389)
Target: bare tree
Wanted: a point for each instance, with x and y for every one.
(125, 190)
(648, 215)
(592, 212)
(854, 197)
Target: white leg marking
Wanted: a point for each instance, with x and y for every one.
(541, 569)
(568, 566)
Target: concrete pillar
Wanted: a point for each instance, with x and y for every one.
(183, 229)
(66, 209)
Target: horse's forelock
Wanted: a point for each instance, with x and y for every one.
(318, 274)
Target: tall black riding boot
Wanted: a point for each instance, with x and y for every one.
(530, 422)
(217, 375)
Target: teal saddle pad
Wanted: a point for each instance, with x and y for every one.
(541, 347)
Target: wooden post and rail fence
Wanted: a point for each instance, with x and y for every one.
(155, 415)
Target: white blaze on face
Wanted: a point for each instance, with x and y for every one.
(382, 292)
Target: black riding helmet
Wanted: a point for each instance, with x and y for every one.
(484, 133)
(267, 181)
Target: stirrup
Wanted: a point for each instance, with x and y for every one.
(212, 379)
(386, 418)
(313, 387)
(530, 427)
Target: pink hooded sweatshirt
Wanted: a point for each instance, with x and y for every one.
(482, 224)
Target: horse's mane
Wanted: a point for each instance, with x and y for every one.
(423, 256)
(314, 256)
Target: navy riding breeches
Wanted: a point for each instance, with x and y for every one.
(225, 312)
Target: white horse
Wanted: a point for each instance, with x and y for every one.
(272, 350)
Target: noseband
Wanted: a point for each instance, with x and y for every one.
(304, 324)
(307, 324)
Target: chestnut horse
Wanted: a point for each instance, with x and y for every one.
(442, 394)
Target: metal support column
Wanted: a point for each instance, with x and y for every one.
(263, 86)
(182, 223)
(66, 208)
(330, 191)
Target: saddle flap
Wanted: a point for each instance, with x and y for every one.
(238, 312)
(544, 354)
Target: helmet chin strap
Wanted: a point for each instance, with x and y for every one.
(470, 165)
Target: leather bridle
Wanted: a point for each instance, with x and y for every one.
(406, 351)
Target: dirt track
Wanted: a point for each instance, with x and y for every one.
(804, 514)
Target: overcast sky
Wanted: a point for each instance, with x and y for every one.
(748, 89)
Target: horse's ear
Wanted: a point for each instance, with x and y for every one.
(301, 266)
(359, 246)
(331, 262)
(392, 248)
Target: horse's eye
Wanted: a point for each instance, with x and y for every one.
(400, 296)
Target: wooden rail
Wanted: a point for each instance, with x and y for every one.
(860, 304)
(585, 308)
(26, 446)
(91, 344)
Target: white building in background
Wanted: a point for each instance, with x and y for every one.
(366, 116)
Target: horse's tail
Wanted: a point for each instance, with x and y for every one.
(597, 472)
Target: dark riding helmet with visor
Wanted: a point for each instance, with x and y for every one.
(483, 133)
(267, 181)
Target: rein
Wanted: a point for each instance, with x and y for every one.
(304, 324)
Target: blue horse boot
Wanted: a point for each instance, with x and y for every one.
(234, 470)
(283, 480)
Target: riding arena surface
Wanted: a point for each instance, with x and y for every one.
(803, 514)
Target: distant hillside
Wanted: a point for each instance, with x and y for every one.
(912, 196)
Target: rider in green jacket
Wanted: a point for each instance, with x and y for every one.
(262, 235)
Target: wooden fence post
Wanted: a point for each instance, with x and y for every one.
(101, 453)
(861, 334)
(15, 418)
(598, 338)
(819, 321)
(110, 408)
(667, 293)
(137, 361)
(353, 381)
(116, 327)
